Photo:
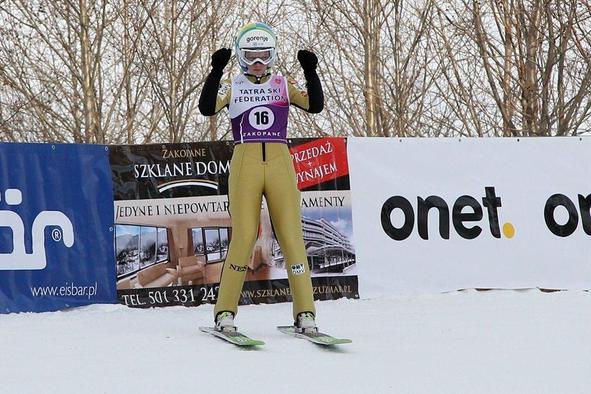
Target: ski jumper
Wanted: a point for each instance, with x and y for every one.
(261, 165)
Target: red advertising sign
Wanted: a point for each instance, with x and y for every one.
(319, 161)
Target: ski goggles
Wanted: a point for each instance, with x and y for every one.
(252, 56)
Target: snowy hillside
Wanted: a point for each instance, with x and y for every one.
(461, 342)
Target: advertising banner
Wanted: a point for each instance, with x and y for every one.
(435, 215)
(56, 227)
(173, 227)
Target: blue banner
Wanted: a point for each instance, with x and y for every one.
(56, 227)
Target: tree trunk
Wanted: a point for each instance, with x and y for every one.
(91, 116)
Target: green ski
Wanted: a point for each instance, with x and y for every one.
(318, 338)
(233, 337)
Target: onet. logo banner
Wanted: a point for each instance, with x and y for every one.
(436, 215)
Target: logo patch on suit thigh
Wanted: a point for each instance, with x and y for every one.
(298, 269)
(238, 268)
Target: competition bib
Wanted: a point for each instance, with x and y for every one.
(259, 111)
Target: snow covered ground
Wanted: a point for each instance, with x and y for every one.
(460, 342)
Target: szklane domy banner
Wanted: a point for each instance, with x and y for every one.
(56, 215)
(435, 215)
(173, 226)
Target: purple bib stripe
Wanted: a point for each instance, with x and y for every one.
(259, 112)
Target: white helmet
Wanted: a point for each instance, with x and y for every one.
(256, 42)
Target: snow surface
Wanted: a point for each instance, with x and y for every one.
(460, 342)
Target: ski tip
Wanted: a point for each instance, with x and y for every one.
(244, 342)
(339, 341)
(254, 342)
(327, 340)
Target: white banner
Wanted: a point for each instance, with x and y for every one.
(433, 215)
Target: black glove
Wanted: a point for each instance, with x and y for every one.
(220, 58)
(308, 60)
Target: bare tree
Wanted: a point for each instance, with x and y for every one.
(97, 71)
(167, 56)
(131, 71)
(408, 69)
(53, 62)
(374, 64)
(532, 58)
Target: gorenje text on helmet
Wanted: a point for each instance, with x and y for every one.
(257, 38)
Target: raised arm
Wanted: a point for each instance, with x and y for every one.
(314, 99)
(213, 96)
